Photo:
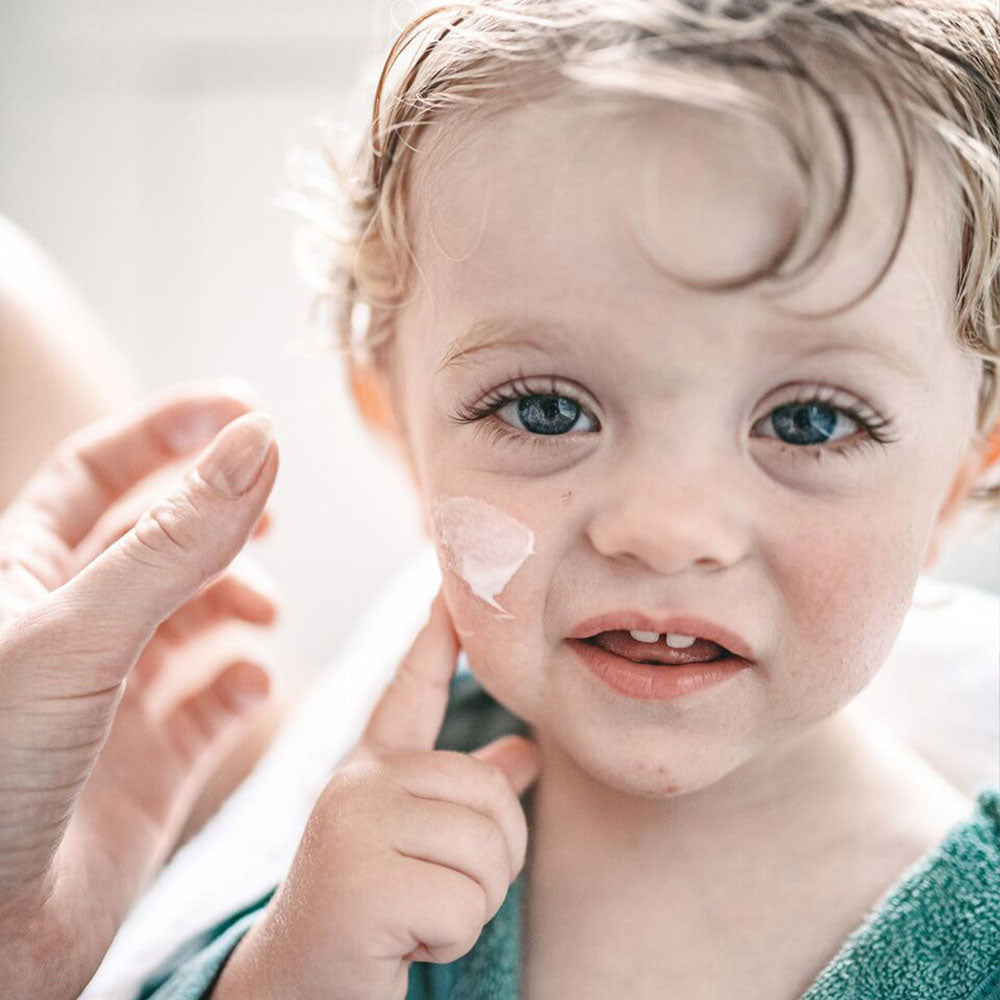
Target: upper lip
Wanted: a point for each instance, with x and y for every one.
(680, 624)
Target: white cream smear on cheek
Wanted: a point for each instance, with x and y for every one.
(482, 545)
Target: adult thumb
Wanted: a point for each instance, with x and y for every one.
(518, 757)
(177, 546)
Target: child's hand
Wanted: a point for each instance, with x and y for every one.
(408, 853)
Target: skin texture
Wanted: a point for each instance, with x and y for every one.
(680, 497)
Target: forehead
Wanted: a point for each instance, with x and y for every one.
(591, 208)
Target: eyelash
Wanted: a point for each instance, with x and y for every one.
(877, 430)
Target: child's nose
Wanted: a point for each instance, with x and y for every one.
(671, 519)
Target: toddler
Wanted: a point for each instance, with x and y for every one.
(684, 316)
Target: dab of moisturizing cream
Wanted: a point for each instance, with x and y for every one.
(482, 545)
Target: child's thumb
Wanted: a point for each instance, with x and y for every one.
(518, 757)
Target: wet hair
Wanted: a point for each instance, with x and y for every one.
(933, 66)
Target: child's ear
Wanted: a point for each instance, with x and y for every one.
(372, 390)
(373, 398)
(979, 460)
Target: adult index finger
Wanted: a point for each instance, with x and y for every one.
(96, 465)
(409, 713)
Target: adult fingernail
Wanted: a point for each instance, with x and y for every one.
(237, 455)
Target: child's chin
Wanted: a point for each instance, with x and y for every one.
(645, 776)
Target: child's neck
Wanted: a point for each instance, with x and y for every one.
(806, 787)
(820, 826)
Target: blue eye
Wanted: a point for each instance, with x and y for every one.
(536, 412)
(812, 421)
(805, 424)
(542, 414)
(532, 414)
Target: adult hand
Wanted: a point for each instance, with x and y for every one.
(96, 775)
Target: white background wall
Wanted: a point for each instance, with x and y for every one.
(141, 143)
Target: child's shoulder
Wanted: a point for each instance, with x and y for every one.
(934, 933)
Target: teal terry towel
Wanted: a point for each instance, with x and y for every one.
(936, 934)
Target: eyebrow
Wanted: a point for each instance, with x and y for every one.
(899, 363)
(503, 332)
(497, 332)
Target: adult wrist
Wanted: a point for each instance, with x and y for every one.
(39, 958)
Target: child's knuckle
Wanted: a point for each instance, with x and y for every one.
(492, 848)
(491, 780)
(468, 913)
(348, 798)
(520, 845)
(356, 778)
(447, 764)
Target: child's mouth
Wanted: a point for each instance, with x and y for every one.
(637, 669)
(658, 653)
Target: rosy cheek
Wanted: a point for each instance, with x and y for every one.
(848, 595)
(480, 547)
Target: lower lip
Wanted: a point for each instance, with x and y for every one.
(654, 683)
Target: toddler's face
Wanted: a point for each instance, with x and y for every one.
(663, 460)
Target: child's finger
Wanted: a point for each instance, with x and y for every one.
(517, 757)
(409, 713)
(445, 833)
(440, 933)
(468, 780)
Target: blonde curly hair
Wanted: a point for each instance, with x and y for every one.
(933, 65)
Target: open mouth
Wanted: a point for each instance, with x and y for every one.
(656, 667)
(658, 652)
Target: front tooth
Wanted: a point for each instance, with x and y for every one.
(644, 636)
(679, 641)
